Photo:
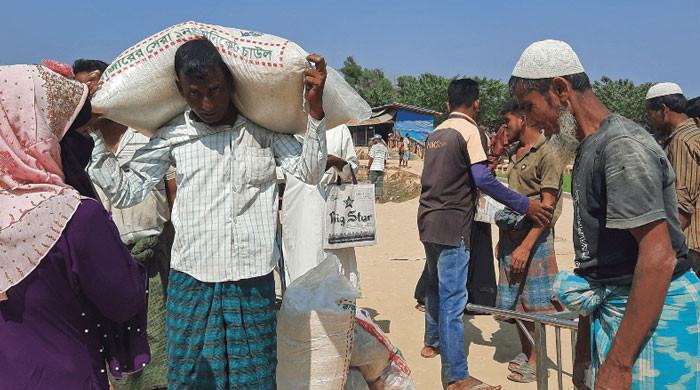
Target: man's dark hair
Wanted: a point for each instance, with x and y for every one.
(195, 58)
(512, 107)
(675, 103)
(693, 108)
(462, 92)
(86, 65)
(579, 82)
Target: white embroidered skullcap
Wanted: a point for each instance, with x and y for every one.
(547, 59)
(663, 89)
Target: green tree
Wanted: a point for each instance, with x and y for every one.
(426, 91)
(430, 91)
(493, 95)
(623, 97)
(371, 84)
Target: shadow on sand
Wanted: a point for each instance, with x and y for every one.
(505, 341)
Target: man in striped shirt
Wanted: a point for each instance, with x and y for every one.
(220, 318)
(666, 108)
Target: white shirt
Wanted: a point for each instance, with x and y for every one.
(303, 213)
(380, 154)
(146, 218)
(339, 143)
(225, 212)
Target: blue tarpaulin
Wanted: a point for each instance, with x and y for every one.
(417, 125)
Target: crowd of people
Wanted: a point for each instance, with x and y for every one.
(634, 203)
(144, 263)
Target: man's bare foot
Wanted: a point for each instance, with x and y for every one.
(471, 383)
(429, 352)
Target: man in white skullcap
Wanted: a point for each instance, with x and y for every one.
(638, 302)
(667, 109)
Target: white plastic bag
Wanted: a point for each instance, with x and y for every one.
(138, 88)
(486, 209)
(351, 218)
(315, 330)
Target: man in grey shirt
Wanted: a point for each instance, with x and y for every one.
(632, 285)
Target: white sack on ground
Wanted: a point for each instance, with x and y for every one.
(393, 378)
(138, 88)
(369, 356)
(382, 369)
(355, 381)
(315, 330)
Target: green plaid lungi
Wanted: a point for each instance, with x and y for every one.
(670, 356)
(377, 178)
(221, 335)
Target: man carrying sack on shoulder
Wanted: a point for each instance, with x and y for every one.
(221, 323)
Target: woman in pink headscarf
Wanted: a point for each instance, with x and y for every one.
(71, 296)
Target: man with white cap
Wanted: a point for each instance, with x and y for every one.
(667, 109)
(378, 154)
(638, 302)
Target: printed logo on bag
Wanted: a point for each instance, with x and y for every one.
(266, 53)
(350, 217)
(251, 34)
(348, 202)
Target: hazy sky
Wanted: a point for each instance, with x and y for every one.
(640, 40)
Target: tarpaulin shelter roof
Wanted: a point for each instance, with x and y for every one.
(407, 119)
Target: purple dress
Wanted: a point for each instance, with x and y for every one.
(83, 305)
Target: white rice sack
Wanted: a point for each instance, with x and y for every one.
(138, 88)
(369, 355)
(393, 378)
(355, 381)
(315, 330)
(385, 368)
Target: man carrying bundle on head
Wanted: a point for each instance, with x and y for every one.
(221, 294)
(667, 110)
(638, 303)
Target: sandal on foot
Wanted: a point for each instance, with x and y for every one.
(429, 352)
(517, 361)
(481, 386)
(523, 374)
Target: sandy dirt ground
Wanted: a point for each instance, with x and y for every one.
(388, 274)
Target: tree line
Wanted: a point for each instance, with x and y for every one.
(430, 91)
